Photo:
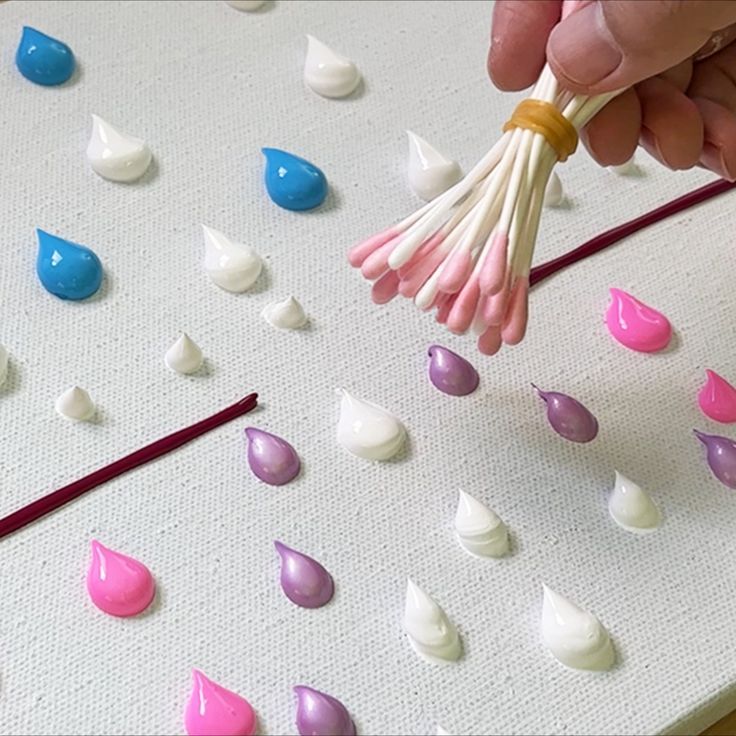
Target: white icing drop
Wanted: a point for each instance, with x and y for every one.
(479, 530)
(245, 4)
(232, 266)
(553, 194)
(3, 364)
(286, 315)
(441, 731)
(430, 632)
(184, 356)
(328, 73)
(116, 155)
(573, 635)
(430, 172)
(631, 507)
(367, 430)
(75, 404)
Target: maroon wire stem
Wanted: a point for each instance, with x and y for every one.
(610, 237)
(46, 504)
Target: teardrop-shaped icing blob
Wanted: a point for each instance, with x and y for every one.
(430, 632)
(271, 458)
(635, 325)
(292, 182)
(721, 456)
(328, 73)
(441, 731)
(65, 269)
(115, 155)
(248, 5)
(554, 195)
(479, 530)
(4, 361)
(303, 580)
(631, 507)
(43, 59)
(319, 714)
(286, 315)
(430, 172)
(717, 398)
(213, 710)
(75, 403)
(568, 417)
(118, 584)
(184, 356)
(367, 430)
(451, 373)
(574, 636)
(232, 266)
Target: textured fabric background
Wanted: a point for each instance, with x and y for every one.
(207, 86)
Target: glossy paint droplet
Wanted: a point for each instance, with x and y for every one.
(554, 195)
(247, 5)
(717, 398)
(303, 580)
(631, 507)
(232, 266)
(184, 356)
(430, 172)
(271, 458)
(118, 584)
(479, 530)
(75, 404)
(721, 457)
(328, 73)
(115, 155)
(636, 325)
(292, 182)
(451, 373)
(213, 710)
(42, 59)
(66, 269)
(319, 714)
(568, 417)
(367, 430)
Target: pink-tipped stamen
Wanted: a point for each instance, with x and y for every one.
(514, 326)
(493, 271)
(358, 253)
(385, 288)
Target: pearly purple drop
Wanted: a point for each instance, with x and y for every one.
(319, 714)
(451, 373)
(303, 580)
(568, 417)
(721, 455)
(271, 458)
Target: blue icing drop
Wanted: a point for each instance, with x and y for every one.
(42, 59)
(292, 182)
(68, 270)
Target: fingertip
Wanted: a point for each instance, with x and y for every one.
(612, 135)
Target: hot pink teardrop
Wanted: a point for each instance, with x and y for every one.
(636, 325)
(117, 584)
(717, 398)
(213, 710)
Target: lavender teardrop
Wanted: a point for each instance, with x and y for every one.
(451, 373)
(568, 417)
(303, 580)
(721, 456)
(271, 458)
(319, 714)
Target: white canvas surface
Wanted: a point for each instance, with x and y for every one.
(207, 86)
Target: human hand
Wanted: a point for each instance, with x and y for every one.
(676, 57)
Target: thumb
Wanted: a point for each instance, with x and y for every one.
(612, 44)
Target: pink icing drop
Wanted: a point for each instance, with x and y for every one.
(635, 325)
(213, 710)
(117, 584)
(717, 398)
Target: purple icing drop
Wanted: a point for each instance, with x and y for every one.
(721, 457)
(568, 417)
(319, 714)
(304, 581)
(451, 373)
(271, 459)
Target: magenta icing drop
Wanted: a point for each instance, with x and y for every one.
(636, 325)
(717, 398)
(721, 457)
(213, 710)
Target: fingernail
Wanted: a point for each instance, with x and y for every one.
(714, 159)
(582, 49)
(651, 144)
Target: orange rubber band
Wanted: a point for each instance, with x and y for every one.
(544, 118)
